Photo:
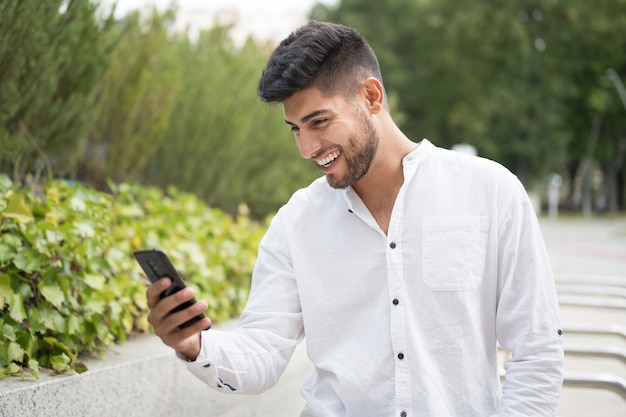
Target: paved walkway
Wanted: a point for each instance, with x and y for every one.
(593, 249)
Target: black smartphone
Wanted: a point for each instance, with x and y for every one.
(156, 265)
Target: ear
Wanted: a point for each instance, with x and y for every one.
(374, 94)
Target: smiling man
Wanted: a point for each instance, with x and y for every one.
(404, 265)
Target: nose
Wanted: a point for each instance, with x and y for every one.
(308, 143)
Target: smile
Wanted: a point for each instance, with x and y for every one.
(325, 162)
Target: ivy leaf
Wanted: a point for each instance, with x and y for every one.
(60, 362)
(12, 369)
(18, 210)
(29, 260)
(53, 294)
(5, 288)
(58, 346)
(33, 368)
(80, 367)
(94, 281)
(8, 332)
(73, 325)
(17, 311)
(15, 352)
(84, 229)
(6, 254)
(77, 204)
(52, 193)
(5, 182)
(95, 305)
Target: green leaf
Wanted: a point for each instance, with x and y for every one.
(29, 343)
(15, 352)
(60, 362)
(84, 229)
(13, 369)
(6, 254)
(33, 368)
(95, 281)
(8, 332)
(59, 347)
(96, 306)
(54, 294)
(29, 260)
(18, 210)
(80, 367)
(5, 288)
(5, 182)
(77, 204)
(16, 307)
(73, 325)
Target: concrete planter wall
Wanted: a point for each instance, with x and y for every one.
(143, 378)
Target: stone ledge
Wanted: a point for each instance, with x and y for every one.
(143, 378)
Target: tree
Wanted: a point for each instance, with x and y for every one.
(223, 144)
(520, 80)
(134, 101)
(52, 57)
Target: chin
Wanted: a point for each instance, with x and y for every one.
(336, 183)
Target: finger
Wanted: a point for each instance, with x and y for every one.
(160, 308)
(154, 291)
(165, 321)
(184, 339)
(189, 313)
(172, 335)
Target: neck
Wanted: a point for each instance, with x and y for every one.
(379, 188)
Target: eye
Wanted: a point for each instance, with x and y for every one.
(294, 129)
(319, 122)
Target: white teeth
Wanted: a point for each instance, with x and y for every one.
(330, 158)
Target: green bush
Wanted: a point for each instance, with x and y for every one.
(69, 285)
(53, 55)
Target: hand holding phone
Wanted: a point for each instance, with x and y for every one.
(156, 265)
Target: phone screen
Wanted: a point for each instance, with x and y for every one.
(156, 265)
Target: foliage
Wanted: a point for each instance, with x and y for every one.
(521, 80)
(52, 57)
(223, 144)
(135, 99)
(69, 285)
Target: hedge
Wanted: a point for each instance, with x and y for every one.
(69, 285)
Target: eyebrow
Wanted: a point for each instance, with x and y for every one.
(309, 116)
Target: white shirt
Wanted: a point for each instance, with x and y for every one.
(403, 324)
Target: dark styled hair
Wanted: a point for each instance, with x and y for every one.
(331, 57)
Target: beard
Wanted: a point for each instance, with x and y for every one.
(358, 155)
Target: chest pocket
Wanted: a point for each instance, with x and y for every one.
(454, 252)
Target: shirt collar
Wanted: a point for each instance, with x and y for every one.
(409, 162)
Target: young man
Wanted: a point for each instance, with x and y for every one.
(404, 265)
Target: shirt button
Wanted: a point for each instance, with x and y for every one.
(400, 356)
(403, 414)
(396, 302)
(392, 245)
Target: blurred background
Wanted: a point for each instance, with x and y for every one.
(164, 94)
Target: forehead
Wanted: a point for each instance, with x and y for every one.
(307, 101)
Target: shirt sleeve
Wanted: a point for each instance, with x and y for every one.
(251, 358)
(527, 322)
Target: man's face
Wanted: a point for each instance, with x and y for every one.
(336, 134)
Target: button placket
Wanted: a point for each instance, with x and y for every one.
(394, 257)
